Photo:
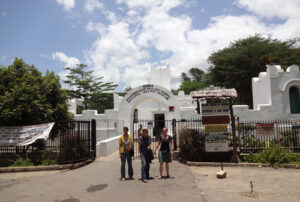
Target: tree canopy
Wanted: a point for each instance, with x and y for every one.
(191, 81)
(93, 91)
(234, 66)
(27, 97)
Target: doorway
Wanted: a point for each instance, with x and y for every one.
(159, 124)
(294, 100)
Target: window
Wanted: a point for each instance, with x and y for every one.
(294, 100)
(135, 116)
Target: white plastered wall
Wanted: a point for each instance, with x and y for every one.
(272, 104)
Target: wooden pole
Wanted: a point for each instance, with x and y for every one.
(198, 106)
(235, 157)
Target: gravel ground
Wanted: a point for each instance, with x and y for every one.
(269, 184)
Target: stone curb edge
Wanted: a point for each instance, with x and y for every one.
(218, 164)
(45, 168)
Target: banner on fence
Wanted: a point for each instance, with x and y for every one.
(24, 135)
(265, 129)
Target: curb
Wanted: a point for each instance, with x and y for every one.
(259, 165)
(45, 168)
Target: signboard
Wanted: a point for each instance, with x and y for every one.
(265, 129)
(216, 142)
(215, 119)
(216, 128)
(148, 89)
(216, 147)
(24, 135)
(215, 108)
(150, 125)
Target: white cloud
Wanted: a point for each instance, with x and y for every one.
(3, 57)
(67, 61)
(111, 16)
(42, 55)
(288, 10)
(91, 5)
(123, 49)
(115, 51)
(140, 3)
(98, 27)
(140, 73)
(67, 4)
(272, 8)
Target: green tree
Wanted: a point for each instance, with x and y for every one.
(189, 86)
(185, 77)
(127, 89)
(234, 66)
(28, 97)
(101, 102)
(192, 81)
(86, 86)
(196, 74)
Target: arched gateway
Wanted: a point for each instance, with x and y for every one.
(144, 93)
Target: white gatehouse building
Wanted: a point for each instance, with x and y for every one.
(275, 97)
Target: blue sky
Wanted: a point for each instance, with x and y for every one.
(120, 39)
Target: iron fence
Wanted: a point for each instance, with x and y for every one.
(72, 141)
(176, 126)
(255, 136)
(154, 131)
(252, 136)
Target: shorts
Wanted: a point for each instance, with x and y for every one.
(164, 157)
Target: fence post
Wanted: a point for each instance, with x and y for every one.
(239, 133)
(94, 137)
(174, 134)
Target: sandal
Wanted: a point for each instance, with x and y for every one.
(168, 176)
(159, 177)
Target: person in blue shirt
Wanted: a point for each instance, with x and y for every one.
(144, 145)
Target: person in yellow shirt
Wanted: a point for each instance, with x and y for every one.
(125, 147)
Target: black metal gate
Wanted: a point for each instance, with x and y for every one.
(155, 130)
(77, 141)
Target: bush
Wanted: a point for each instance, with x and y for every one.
(253, 158)
(191, 144)
(273, 156)
(289, 138)
(48, 160)
(22, 162)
